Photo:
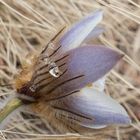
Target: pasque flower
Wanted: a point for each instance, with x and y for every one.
(69, 74)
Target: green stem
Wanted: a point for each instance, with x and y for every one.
(9, 108)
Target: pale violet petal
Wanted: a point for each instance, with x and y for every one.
(94, 34)
(103, 100)
(98, 126)
(99, 84)
(96, 108)
(76, 35)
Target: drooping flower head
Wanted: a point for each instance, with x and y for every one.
(63, 71)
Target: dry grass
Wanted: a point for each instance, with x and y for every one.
(26, 25)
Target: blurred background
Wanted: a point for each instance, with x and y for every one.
(27, 25)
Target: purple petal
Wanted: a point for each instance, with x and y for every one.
(95, 109)
(76, 35)
(92, 61)
(84, 65)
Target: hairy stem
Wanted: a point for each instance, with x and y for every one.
(9, 108)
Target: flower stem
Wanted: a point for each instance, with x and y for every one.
(12, 105)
